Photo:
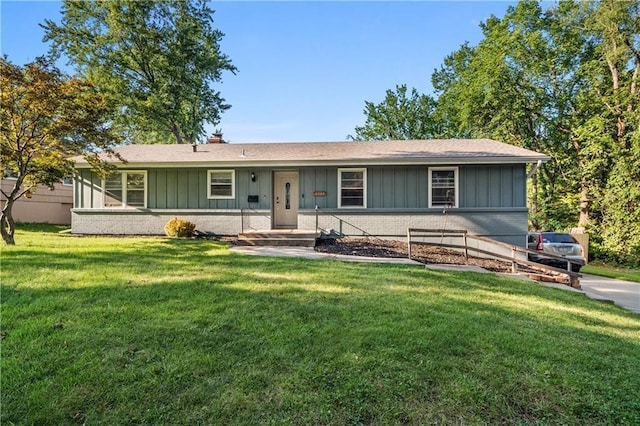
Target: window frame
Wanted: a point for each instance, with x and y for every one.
(364, 187)
(456, 186)
(125, 192)
(9, 175)
(70, 181)
(233, 185)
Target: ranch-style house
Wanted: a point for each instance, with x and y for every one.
(376, 188)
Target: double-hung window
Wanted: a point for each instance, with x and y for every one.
(352, 187)
(126, 189)
(222, 184)
(443, 187)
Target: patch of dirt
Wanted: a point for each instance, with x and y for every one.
(374, 247)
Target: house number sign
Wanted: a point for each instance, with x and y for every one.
(319, 193)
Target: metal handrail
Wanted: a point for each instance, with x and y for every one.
(242, 216)
(364, 233)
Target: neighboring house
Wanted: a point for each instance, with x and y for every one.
(44, 205)
(378, 188)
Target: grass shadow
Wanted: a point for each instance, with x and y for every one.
(179, 331)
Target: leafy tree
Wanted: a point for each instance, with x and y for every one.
(615, 76)
(156, 60)
(45, 119)
(399, 116)
(517, 85)
(563, 80)
(620, 237)
(445, 82)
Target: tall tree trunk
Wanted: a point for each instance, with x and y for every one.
(585, 204)
(585, 185)
(176, 132)
(616, 106)
(7, 224)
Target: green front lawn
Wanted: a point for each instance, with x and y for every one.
(597, 268)
(160, 331)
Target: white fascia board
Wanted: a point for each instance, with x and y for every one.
(340, 163)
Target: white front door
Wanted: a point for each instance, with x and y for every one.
(285, 200)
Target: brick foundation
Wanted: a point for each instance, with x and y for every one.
(506, 226)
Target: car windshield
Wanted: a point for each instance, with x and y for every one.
(552, 237)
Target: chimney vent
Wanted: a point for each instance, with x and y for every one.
(215, 138)
(195, 147)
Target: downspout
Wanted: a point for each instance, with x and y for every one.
(535, 169)
(533, 175)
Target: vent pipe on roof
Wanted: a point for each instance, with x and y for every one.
(195, 147)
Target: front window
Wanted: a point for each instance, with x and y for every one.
(443, 187)
(10, 174)
(352, 187)
(221, 184)
(126, 189)
(135, 189)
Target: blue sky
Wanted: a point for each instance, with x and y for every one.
(305, 68)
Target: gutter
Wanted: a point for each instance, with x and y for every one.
(333, 163)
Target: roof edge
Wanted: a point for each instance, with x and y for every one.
(312, 163)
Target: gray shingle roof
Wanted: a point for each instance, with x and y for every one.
(436, 151)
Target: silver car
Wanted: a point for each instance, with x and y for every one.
(558, 244)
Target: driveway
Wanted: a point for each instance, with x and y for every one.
(623, 293)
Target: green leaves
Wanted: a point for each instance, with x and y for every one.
(560, 81)
(399, 116)
(563, 80)
(621, 222)
(157, 61)
(45, 119)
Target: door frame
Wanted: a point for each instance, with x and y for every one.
(295, 197)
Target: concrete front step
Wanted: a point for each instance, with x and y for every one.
(278, 238)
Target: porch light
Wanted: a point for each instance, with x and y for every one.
(253, 177)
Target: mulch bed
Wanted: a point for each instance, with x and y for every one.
(374, 247)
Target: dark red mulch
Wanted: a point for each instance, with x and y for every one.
(374, 247)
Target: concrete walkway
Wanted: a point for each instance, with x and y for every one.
(310, 253)
(622, 293)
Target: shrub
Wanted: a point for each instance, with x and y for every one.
(179, 228)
